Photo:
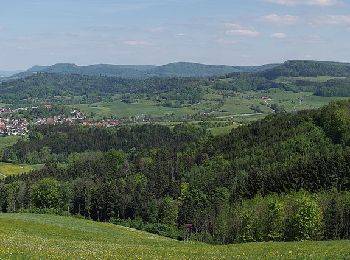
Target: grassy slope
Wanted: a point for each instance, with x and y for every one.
(42, 237)
(12, 169)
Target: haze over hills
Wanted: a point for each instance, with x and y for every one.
(5, 73)
(178, 69)
(187, 69)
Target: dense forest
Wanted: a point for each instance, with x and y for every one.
(307, 68)
(86, 89)
(286, 177)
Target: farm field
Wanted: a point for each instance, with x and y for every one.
(8, 169)
(30, 236)
(243, 106)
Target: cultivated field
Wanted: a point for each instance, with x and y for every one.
(29, 236)
(240, 106)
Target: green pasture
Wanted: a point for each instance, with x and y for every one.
(30, 236)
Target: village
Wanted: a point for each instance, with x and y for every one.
(13, 125)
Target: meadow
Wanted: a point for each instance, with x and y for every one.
(30, 236)
(7, 169)
(242, 107)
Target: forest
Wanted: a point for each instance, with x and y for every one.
(283, 178)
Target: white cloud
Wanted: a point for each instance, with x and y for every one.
(332, 20)
(281, 19)
(305, 2)
(239, 30)
(137, 43)
(279, 35)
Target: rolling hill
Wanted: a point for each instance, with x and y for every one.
(308, 68)
(25, 236)
(291, 68)
(178, 69)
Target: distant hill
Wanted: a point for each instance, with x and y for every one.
(124, 71)
(292, 68)
(308, 68)
(4, 74)
(178, 69)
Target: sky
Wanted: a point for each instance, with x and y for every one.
(231, 32)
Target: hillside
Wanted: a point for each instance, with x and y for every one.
(308, 68)
(44, 237)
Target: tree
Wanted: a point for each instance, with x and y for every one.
(304, 218)
(46, 193)
(169, 211)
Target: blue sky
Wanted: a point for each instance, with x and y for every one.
(233, 32)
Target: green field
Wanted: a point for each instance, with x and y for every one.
(30, 236)
(239, 106)
(8, 169)
(119, 109)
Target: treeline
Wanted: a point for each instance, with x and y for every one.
(286, 177)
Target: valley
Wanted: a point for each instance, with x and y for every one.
(249, 162)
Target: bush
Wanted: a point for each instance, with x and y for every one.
(304, 218)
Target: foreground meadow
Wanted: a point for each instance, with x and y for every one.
(29, 236)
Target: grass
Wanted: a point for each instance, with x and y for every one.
(222, 130)
(8, 169)
(30, 236)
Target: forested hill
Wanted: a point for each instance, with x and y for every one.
(308, 68)
(178, 69)
(292, 68)
(124, 71)
(93, 88)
